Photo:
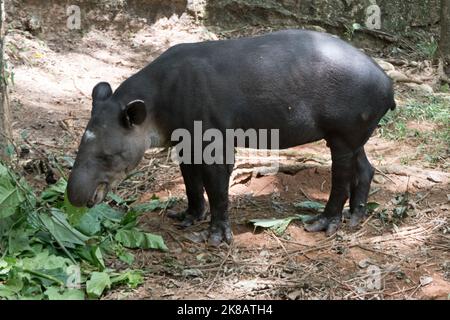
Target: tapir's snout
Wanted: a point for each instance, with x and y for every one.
(85, 190)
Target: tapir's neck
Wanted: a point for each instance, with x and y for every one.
(154, 136)
(139, 87)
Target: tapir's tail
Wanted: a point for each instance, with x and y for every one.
(393, 104)
(391, 98)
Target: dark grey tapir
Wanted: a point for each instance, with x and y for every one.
(309, 85)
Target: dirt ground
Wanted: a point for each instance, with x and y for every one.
(51, 105)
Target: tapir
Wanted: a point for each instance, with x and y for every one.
(308, 85)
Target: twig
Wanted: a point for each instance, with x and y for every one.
(385, 175)
(281, 245)
(220, 268)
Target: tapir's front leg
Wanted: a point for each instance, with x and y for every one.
(196, 211)
(216, 180)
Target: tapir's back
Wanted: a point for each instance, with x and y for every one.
(295, 80)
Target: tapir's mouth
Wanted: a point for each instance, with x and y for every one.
(99, 195)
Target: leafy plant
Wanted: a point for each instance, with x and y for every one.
(278, 226)
(52, 250)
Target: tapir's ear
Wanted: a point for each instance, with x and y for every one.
(135, 113)
(101, 91)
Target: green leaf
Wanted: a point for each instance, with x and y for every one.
(7, 292)
(45, 260)
(54, 293)
(372, 206)
(90, 223)
(310, 205)
(74, 213)
(126, 257)
(54, 192)
(98, 282)
(278, 226)
(131, 278)
(119, 200)
(10, 150)
(5, 267)
(61, 230)
(93, 255)
(356, 26)
(129, 220)
(19, 240)
(10, 195)
(12, 286)
(134, 238)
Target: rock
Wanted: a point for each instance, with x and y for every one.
(294, 295)
(386, 66)
(433, 177)
(33, 25)
(424, 89)
(316, 28)
(379, 179)
(196, 8)
(437, 289)
(425, 280)
(195, 273)
(397, 76)
(364, 263)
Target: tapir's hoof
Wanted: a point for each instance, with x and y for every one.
(220, 231)
(356, 219)
(323, 223)
(186, 218)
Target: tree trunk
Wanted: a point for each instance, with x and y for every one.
(5, 113)
(444, 45)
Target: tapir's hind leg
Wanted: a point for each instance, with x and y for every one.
(196, 211)
(360, 187)
(216, 180)
(341, 176)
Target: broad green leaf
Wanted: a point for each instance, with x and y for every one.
(134, 238)
(5, 267)
(126, 257)
(129, 220)
(131, 278)
(19, 240)
(278, 226)
(98, 282)
(12, 286)
(90, 223)
(54, 192)
(93, 255)
(45, 260)
(10, 195)
(123, 254)
(7, 292)
(31, 292)
(46, 268)
(119, 200)
(54, 293)
(61, 230)
(310, 205)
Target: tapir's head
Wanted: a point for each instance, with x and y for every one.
(113, 144)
